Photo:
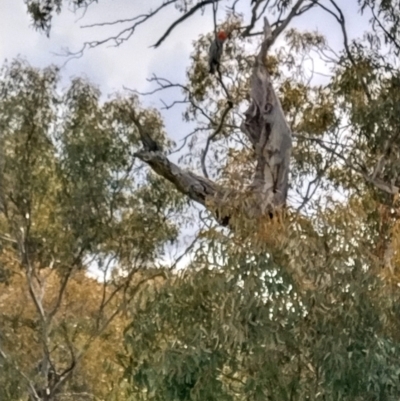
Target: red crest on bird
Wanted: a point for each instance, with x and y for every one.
(222, 35)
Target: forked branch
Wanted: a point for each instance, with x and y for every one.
(267, 129)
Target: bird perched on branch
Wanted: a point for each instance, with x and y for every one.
(216, 49)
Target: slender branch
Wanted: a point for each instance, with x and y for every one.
(117, 289)
(89, 342)
(391, 38)
(22, 374)
(34, 296)
(185, 16)
(279, 29)
(144, 18)
(317, 180)
(167, 84)
(148, 142)
(254, 18)
(342, 22)
(104, 292)
(185, 252)
(74, 395)
(5, 238)
(382, 160)
(60, 293)
(215, 10)
(118, 39)
(222, 84)
(195, 187)
(212, 136)
(279, 25)
(380, 184)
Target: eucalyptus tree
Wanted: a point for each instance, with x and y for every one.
(292, 292)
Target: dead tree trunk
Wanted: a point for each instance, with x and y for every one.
(266, 127)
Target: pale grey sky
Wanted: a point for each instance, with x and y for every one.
(130, 64)
(134, 61)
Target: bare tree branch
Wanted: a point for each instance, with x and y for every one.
(148, 142)
(195, 187)
(254, 18)
(390, 37)
(22, 374)
(142, 18)
(63, 286)
(267, 129)
(279, 29)
(212, 136)
(195, 8)
(389, 188)
(342, 22)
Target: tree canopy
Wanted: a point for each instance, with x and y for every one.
(292, 288)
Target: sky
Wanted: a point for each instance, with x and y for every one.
(129, 65)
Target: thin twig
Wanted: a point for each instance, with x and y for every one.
(342, 22)
(212, 136)
(22, 374)
(279, 29)
(385, 31)
(185, 16)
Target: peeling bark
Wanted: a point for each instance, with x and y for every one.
(196, 187)
(266, 127)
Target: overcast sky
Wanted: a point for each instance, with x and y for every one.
(129, 65)
(134, 61)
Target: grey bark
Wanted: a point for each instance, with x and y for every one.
(266, 127)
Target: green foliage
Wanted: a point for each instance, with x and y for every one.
(70, 172)
(298, 309)
(300, 319)
(304, 306)
(73, 198)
